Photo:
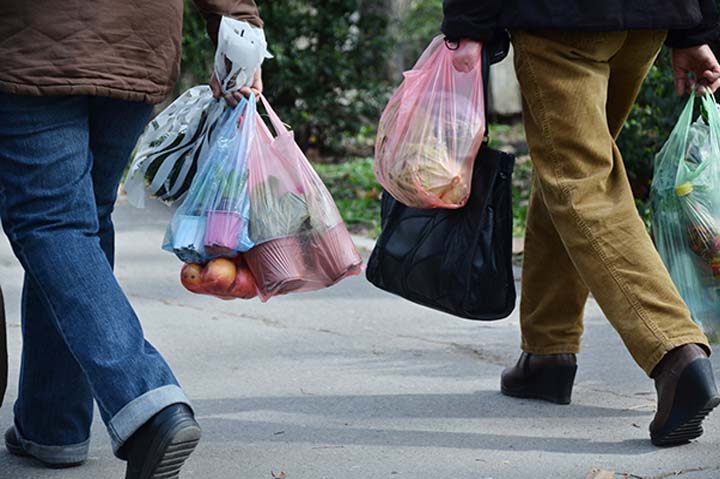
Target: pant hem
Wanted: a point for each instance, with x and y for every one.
(652, 361)
(68, 454)
(556, 349)
(138, 411)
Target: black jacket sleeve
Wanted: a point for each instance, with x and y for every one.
(707, 31)
(474, 19)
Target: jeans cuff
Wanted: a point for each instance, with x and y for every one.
(55, 455)
(140, 410)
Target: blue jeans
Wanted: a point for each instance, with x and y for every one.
(61, 159)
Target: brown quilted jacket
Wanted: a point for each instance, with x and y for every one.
(124, 49)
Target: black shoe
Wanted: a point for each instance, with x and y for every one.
(162, 445)
(547, 377)
(12, 443)
(686, 394)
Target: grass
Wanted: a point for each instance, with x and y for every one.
(356, 193)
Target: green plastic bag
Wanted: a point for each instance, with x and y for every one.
(685, 206)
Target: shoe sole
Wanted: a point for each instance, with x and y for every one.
(553, 384)
(172, 450)
(696, 397)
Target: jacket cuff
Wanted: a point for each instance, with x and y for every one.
(693, 37)
(455, 29)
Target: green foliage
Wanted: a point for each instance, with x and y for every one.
(327, 77)
(197, 49)
(419, 24)
(356, 192)
(649, 125)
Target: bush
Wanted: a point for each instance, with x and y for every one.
(649, 125)
(328, 77)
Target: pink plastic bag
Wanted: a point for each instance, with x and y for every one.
(302, 243)
(431, 131)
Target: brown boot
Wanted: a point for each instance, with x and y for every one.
(547, 377)
(686, 393)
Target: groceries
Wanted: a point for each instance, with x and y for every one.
(431, 131)
(685, 204)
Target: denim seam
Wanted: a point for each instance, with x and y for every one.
(28, 270)
(639, 310)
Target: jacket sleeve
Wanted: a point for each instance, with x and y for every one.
(214, 10)
(474, 19)
(707, 31)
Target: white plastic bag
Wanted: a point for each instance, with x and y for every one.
(167, 154)
(240, 52)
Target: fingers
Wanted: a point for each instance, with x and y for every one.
(681, 85)
(215, 86)
(234, 98)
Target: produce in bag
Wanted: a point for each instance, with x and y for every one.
(301, 242)
(431, 131)
(685, 205)
(213, 219)
(221, 277)
(174, 144)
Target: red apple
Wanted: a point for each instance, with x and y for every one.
(191, 277)
(218, 276)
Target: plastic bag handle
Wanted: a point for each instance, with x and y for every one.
(274, 118)
(713, 118)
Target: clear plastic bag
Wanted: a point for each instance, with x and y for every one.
(302, 243)
(431, 131)
(685, 203)
(213, 219)
(169, 150)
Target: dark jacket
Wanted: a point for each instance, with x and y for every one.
(691, 22)
(114, 48)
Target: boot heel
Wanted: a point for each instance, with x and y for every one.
(552, 383)
(696, 396)
(555, 384)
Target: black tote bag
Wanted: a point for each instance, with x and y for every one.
(456, 261)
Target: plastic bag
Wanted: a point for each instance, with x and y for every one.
(240, 52)
(167, 154)
(302, 243)
(212, 221)
(431, 131)
(685, 203)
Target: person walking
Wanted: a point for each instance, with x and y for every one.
(77, 85)
(580, 65)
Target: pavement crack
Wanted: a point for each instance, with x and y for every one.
(485, 356)
(614, 393)
(261, 319)
(677, 473)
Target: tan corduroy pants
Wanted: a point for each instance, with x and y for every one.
(584, 233)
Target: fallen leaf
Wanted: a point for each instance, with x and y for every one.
(596, 473)
(280, 475)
